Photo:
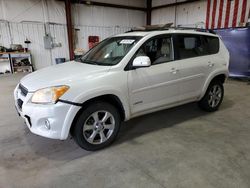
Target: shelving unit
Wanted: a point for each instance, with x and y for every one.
(21, 62)
(15, 62)
(5, 65)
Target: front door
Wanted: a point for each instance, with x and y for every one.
(157, 85)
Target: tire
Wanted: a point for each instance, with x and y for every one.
(92, 131)
(213, 97)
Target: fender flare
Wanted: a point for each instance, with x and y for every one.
(81, 99)
(210, 78)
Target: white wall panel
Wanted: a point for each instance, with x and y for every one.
(34, 33)
(22, 10)
(27, 18)
(105, 16)
(191, 13)
(4, 34)
(101, 31)
(59, 34)
(164, 2)
(35, 10)
(164, 15)
(56, 11)
(136, 3)
(2, 10)
(186, 14)
(136, 18)
(32, 10)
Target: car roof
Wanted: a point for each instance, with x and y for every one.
(168, 31)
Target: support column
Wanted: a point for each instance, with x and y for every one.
(149, 11)
(69, 28)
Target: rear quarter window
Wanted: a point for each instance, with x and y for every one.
(211, 44)
(193, 45)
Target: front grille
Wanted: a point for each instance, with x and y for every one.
(23, 90)
(20, 103)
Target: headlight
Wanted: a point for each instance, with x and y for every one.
(49, 95)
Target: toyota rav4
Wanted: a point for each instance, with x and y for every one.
(123, 77)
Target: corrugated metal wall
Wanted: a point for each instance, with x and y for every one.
(186, 14)
(102, 32)
(33, 32)
(59, 34)
(27, 19)
(17, 33)
(4, 34)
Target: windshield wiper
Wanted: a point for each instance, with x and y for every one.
(94, 62)
(89, 62)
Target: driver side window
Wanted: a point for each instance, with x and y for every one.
(159, 50)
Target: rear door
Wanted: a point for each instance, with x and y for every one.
(194, 62)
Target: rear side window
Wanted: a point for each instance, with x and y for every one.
(211, 44)
(188, 45)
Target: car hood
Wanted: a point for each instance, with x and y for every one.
(61, 74)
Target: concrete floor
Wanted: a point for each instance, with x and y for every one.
(179, 147)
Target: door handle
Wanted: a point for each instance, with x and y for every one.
(174, 71)
(210, 64)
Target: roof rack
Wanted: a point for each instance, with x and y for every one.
(151, 27)
(167, 27)
(196, 29)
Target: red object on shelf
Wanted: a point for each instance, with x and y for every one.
(93, 40)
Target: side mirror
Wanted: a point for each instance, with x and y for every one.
(141, 61)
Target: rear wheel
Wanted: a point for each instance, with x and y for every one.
(97, 126)
(213, 97)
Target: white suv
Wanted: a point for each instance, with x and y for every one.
(123, 77)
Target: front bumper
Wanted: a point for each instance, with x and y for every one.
(37, 116)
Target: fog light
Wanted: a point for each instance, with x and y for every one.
(47, 124)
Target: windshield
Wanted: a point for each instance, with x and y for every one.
(110, 51)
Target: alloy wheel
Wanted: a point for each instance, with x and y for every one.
(98, 127)
(215, 95)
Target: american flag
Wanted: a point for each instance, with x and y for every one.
(227, 13)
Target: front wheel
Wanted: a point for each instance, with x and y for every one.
(213, 97)
(97, 126)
